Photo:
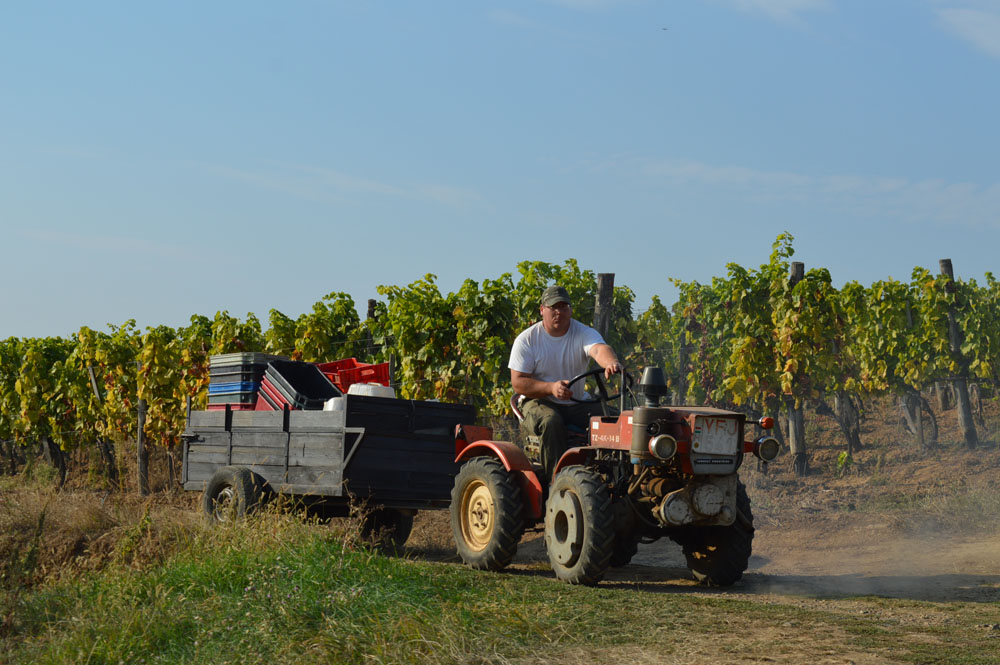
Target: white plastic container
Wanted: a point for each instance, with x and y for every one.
(334, 404)
(371, 390)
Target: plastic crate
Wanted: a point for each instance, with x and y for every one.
(239, 387)
(233, 398)
(231, 360)
(233, 407)
(301, 385)
(344, 373)
(236, 373)
(269, 399)
(264, 401)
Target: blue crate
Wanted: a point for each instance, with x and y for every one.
(238, 387)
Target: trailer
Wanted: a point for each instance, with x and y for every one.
(397, 456)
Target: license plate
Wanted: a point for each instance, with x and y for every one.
(716, 436)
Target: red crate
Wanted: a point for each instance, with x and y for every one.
(342, 373)
(262, 403)
(270, 396)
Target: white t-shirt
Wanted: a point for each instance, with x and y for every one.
(549, 358)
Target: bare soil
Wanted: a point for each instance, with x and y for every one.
(828, 556)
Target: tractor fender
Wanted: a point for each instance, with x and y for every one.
(517, 464)
(581, 455)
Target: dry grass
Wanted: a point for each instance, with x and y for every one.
(74, 532)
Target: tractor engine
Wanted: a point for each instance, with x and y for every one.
(684, 459)
(684, 464)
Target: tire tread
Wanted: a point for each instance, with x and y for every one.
(508, 514)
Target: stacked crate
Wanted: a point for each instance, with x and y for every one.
(234, 379)
(297, 385)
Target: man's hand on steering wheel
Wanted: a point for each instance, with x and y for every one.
(602, 390)
(613, 368)
(561, 390)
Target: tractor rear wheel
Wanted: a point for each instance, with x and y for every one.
(486, 514)
(579, 526)
(718, 555)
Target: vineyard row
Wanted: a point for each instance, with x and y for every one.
(761, 339)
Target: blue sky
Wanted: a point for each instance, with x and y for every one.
(159, 160)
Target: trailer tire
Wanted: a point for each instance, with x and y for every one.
(486, 514)
(233, 493)
(718, 555)
(387, 528)
(579, 526)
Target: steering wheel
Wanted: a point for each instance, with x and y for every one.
(603, 397)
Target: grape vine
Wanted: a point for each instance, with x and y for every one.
(751, 339)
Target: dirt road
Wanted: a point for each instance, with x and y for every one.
(833, 556)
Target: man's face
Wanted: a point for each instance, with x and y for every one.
(556, 318)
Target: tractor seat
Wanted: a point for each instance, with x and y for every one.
(515, 406)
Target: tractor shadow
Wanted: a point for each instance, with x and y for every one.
(934, 588)
(673, 577)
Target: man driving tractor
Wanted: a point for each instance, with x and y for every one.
(543, 359)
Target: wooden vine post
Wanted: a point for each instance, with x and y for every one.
(912, 400)
(680, 394)
(961, 381)
(369, 342)
(141, 453)
(604, 304)
(796, 420)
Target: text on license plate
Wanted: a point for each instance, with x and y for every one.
(715, 435)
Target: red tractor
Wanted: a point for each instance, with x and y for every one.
(650, 472)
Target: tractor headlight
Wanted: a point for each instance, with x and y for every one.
(766, 448)
(663, 446)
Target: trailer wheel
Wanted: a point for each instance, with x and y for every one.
(387, 528)
(486, 514)
(233, 492)
(718, 555)
(579, 526)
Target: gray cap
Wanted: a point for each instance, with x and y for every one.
(554, 294)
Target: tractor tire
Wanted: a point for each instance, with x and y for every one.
(718, 555)
(486, 514)
(387, 529)
(579, 526)
(233, 493)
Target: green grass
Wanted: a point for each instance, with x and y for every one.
(276, 590)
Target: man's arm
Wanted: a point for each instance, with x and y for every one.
(605, 356)
(527, 385)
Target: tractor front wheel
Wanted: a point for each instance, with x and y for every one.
(579, 526)
(486, 514)
(718, 555)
